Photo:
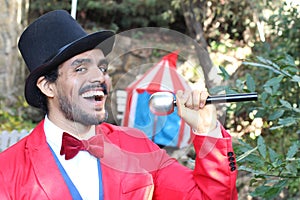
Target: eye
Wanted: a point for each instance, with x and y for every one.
(80, 69)
(103, 68)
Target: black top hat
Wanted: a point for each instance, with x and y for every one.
(52, 39)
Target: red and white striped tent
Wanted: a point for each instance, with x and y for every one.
(167, 130)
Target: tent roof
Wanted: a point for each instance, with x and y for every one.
(161, 77)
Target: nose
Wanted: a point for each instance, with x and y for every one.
(96, 75)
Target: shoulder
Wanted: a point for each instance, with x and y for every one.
(18, 153)
(128, 138)
(121, 131)
(13, 156)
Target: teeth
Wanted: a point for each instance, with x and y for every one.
(90, 94)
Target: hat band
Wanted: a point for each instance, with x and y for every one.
(57, 53)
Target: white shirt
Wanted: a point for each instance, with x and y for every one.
(82, 169)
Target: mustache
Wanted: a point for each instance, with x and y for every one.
(101, 86)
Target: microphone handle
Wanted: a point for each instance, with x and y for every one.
(231, 98)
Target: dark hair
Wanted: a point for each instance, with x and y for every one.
(51, 76)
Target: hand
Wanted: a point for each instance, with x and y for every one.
(191, 107)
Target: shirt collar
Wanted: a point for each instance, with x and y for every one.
(53, 134)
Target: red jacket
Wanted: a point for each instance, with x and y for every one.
(132, 168)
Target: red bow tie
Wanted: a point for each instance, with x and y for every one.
(71, 146)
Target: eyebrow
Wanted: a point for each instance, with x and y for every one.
(79, 61)
(103, 61)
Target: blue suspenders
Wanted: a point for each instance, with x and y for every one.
(73, 190)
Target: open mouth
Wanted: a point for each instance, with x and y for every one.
(93, 95)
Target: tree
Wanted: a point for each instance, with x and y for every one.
(194, 12)
(12, 69)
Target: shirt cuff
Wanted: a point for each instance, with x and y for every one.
(216, 133)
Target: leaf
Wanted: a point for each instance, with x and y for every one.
(244, 155)
(217, 89)
(273, 81)
(276, 114)
(263, 66)
(285, 104)
(230, 91)
(296, 78)
(265, 61)
(249, 169)
(276, 127)
(296, 110)
(268, 90)
(260, 113)
(260, 191)
(289, 60)
(292, 150)
(255, 160)
(272, 192)
(276, 90)
(292, 168)
(287, 121)
(263, 98)
(239, 84)
(262, 146)
(250, 83)
(224, 73)
(276, 188)
(269, 192)
(272, 154)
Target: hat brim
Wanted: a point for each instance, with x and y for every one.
(103, 40)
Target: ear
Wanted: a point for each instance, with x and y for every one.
(45, 86)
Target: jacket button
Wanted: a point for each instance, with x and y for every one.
(232, 169)
(230, 154)
(230, 159)
(232, 164)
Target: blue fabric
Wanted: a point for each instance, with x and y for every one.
(73, 190)
(101, 192)
(167, 127)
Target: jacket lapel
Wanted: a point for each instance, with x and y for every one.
(44, 165)
(121, 170)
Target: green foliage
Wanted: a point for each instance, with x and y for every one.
(14, 117)
(284, 29)
(280, 94)
(272, 156)
(272, 172)
(219, 19)
(115, 15)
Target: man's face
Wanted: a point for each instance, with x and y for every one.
(81, 88)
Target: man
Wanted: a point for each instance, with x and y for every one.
(74, 154)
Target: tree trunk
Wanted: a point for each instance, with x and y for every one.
(195, 27)
(12, 68)
(194, 23)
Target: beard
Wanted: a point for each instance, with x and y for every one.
(74, 113)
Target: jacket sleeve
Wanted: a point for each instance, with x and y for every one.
(3, 188)
(214, 176)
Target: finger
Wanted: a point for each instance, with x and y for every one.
(180, 101)
(188, 99)
(196, 94)
(179, 94)
(203, 97)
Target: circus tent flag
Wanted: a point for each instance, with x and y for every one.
(168, 130)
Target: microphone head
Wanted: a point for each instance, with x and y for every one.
(161, 103)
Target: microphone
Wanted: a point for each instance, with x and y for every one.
(163, 103)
